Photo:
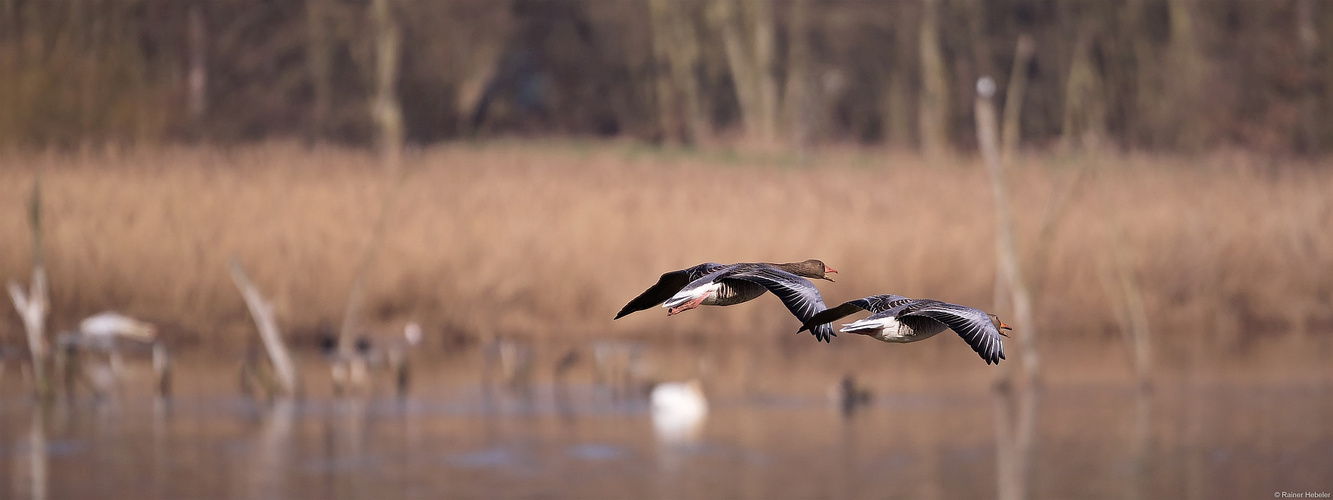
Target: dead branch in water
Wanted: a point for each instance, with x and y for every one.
(1007, 252)
(1126, 298)
(344, 369)
(34, 303)
(262, 311)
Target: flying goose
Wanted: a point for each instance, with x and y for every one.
(742, 282)
(900, 319)
(716, 284)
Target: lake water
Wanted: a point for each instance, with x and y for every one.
(475, 426)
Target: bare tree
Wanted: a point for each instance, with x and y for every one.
(1013, 97)
(319, 61)
(676, 50)
(1004, 231)
(1309, 39)
(799, 92)
(197, 81)
(385, 109)
(896, 103)
(1084, 123)
(933, 113)
(748, 37)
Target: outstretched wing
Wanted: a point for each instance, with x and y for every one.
(666, 286)
(830, 315)
(873, 303)
(972, 324)
(797, 293)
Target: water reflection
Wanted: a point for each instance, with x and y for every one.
(272, 451)
(775, 434)
(30, 471)
(1015, 436)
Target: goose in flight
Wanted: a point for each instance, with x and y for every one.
(900, 319)
(719, 285)
(716, 284)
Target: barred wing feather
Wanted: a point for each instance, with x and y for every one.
(797, 293)
(973, 325)
(873, 303)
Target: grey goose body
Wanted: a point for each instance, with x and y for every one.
(901, 319)
(713, 284)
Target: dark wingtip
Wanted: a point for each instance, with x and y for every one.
(823, 334)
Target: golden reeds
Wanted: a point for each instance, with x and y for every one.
(551, 239)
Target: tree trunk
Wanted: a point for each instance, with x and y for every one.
(1084, 123)
(319, 54)
(896, 117)
(1006, 249)
(1182, 34)
(385, 109)
(1186, 65)
(751, 64)
(760, 13)
(1013, 97)
(1309, 38)
(897, 113)
(976, 31)
(197, 79)
(933, 113)
(668, 112)
(676, 47)
(798, 93)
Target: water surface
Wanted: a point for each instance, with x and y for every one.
(499, 435)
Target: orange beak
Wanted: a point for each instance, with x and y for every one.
(1004, 327)
(828, 270)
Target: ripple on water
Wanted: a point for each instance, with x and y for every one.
(496, 457)
(596, 452)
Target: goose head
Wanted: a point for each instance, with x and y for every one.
(999, 325)
(811, 268)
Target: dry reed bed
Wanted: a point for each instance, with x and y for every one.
(550, 240)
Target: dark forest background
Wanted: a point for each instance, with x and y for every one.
(1158, 75)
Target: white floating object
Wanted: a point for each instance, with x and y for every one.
(678, 410)
(109, 325)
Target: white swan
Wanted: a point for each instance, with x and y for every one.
(678, 410)
(109, 325)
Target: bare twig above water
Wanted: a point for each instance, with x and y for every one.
(268, 330)
(1126, 298)
(34, 303)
